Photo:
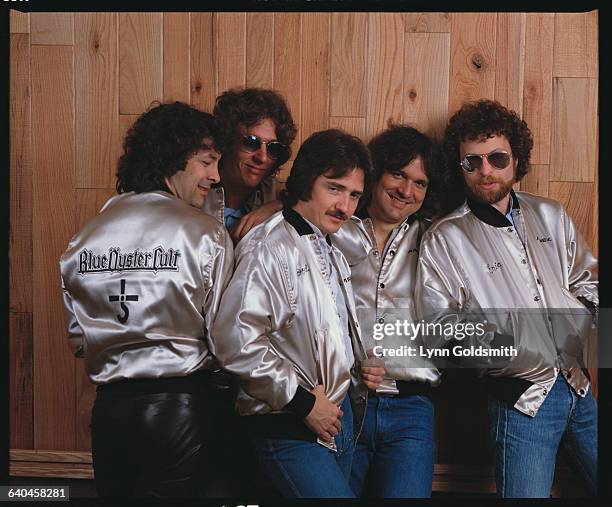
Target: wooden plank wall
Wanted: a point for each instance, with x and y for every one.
(78, 80)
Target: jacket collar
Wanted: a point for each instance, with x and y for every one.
(491, 215)
(298, 222)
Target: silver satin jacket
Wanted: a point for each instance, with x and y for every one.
(277, 326)
(472, 259)
(141, 284)
(267, 191)
(381, 284)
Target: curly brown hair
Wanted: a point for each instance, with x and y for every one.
(159, 143)
(395, 148)
(249, 106)
(479, 120)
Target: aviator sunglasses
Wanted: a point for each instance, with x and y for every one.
(498, 159)
(276, 150)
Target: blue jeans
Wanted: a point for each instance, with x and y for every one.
(394, 455)
(526, 447)
(302, 469)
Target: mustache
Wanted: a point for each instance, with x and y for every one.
(489, 179)
(338, 214)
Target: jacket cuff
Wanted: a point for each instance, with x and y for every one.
(302, 402)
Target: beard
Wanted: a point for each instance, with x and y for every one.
(489, 196)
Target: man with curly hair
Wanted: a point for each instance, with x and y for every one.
(257, 130)
(518, 258)
(142, 282)
(394, 455)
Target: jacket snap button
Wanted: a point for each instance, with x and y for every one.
(382, 285)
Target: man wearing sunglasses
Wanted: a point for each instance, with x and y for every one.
(257, 130)
(521, 256)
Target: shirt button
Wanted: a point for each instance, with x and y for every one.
(509, 229)
(538, 280)
(375, 253)
(581, 392)
(545, 392)
(569, 374)
(381, 320)
(531, 412)
(218, 190)
(537, 298)
(524, 261)
(392, 252)
(382, 285)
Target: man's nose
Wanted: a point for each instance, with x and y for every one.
(343, 204)
(486, 168)
(261, 155)
(214, 173)
(406, 189)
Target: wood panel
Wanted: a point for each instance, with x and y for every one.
(52, 28)
(577, 200)
(537, 88)
(20, 238)
(260, 49)
(97, 104)
(230, 31)
(19, 22)
(576, 44)
(427, 22)
(348, 64)
(88, 204)
(574, 130)
(287, 60)
(203, 63)
(510, 60)
(354, 126)
(536, 180)
(176, 56)
(472, 59)
(140, 61)
(53, 225)
(315, 72)
(21, 381)
(385, 71)
(426, 70)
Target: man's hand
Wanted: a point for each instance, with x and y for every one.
(250, 220)
(372, 370)
(372, 376)
(324, 418)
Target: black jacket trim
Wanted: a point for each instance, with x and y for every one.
(491, 215)
(302, 402)
(287, 426)
(297, 222)
(506, 389)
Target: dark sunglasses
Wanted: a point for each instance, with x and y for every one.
(276, 150)
(498, 159)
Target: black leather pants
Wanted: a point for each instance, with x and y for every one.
(147, 444)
